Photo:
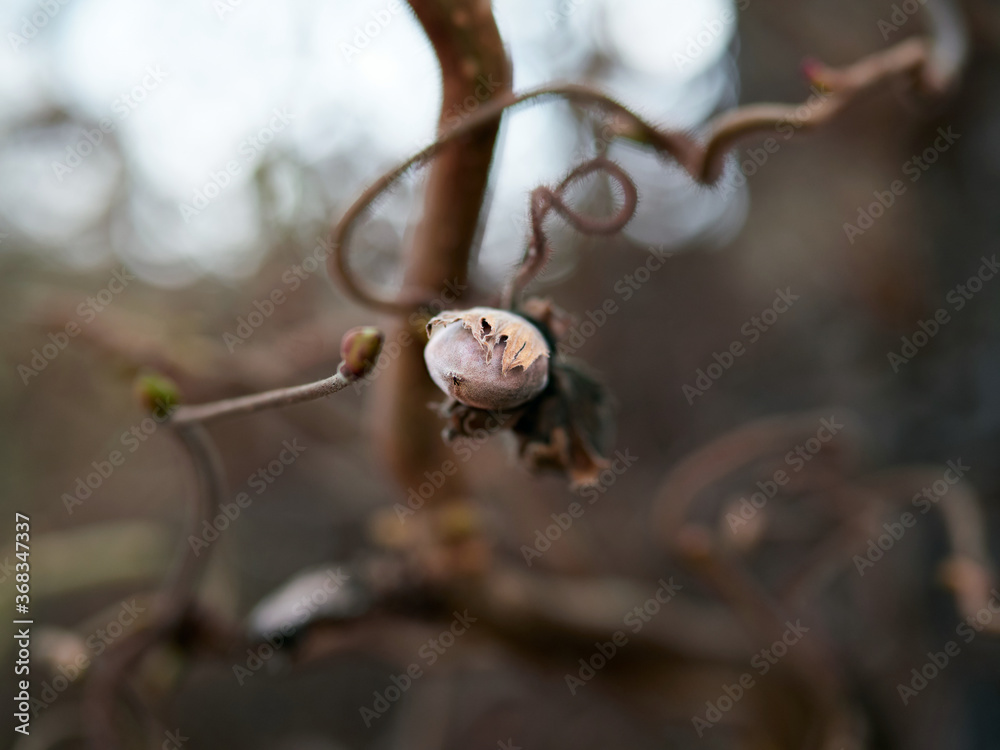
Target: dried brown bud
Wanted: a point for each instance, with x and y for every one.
(487, 358)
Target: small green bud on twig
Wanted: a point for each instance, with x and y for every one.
(157, 393)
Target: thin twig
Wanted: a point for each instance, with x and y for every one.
(359, 348)
(110, 672)
(233, 407)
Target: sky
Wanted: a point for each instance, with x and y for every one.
(189, 97)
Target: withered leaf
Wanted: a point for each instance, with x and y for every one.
(570, 426)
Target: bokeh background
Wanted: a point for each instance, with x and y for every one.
(279, 114)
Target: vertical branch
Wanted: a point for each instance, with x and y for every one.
(474, 67)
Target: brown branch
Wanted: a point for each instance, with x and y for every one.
(360, 348)
(110, 673)
(471, 54)
(933, 61)
(234, 407)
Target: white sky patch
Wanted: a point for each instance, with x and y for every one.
(358, 78)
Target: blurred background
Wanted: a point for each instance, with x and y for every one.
(165, 167)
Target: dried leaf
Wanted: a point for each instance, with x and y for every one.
(570, 426)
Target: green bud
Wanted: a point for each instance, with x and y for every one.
(157, 393)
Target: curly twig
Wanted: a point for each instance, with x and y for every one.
(934, 61)
(545, 199)
(810, 664)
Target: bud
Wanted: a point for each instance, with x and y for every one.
(158, 394)
(487, 358)
(359, 349)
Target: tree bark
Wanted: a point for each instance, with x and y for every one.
(474, 67)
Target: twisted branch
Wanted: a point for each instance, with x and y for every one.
(545, 200)
(932, 62)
